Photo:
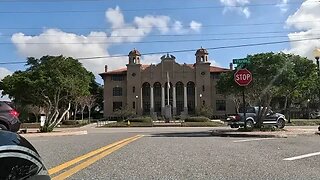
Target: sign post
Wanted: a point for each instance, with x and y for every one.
(243, 78)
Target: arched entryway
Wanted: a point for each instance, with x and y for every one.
(146, 98)
(179, 97)
(157, 97)
(191, 97)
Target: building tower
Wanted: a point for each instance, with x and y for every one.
(201, 55)
(134, 57)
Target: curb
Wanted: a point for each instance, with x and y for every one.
(53, 134)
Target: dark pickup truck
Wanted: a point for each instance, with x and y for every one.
(238, 120)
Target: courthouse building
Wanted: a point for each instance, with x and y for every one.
(144, 87)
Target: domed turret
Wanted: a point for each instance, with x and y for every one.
(134, 57)
(201, 55)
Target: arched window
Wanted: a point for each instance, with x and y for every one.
(180, 97)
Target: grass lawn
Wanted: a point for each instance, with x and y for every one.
(304, 122)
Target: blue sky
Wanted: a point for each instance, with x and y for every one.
(151, 21)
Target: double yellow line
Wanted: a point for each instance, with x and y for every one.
(89, 158)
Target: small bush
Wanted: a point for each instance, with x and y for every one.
(197, 119)
(125, 124)
(70, 122)
(140, 119)
(202, 124)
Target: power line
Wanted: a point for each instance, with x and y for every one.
(181, 51)
(164, 27)
(160, 41)
(174, 35)
(150, 9)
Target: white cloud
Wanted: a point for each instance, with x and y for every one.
(237, 6)
(195, 26)
(283, 5)
(57, 42)
(306, 19)
(3, 73)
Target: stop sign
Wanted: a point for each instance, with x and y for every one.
(243, 77)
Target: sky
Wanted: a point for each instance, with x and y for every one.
(112, 28)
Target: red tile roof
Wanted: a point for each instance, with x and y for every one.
(123, 70)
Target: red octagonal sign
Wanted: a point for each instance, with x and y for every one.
(243, 77)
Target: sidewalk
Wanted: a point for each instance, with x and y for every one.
(287, 132)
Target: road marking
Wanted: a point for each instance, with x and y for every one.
(248, 140)
(85, 156)
(302, 156)
(93, 159)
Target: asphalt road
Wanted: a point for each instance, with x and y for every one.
(184, 153)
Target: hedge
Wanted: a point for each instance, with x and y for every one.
(197, 119)
(202, 124)
(140, 119)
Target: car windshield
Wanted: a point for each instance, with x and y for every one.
(170, 89)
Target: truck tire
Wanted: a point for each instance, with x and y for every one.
(281, 123)
(248, 125)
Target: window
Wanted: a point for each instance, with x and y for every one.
(215, 75)
(134, 105)
(133, 89)
(117, 91)
(117, 77)
(117, 106)
(203, 88)
(220, 105)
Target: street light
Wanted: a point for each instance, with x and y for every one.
(308, 109)
(316, 53)
(200, 95)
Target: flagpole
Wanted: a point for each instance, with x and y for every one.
(168, 87)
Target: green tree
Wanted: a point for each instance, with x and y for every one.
(51, 82)
(274, 74)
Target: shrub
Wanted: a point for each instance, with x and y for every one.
(202, 124)
(70, 122)
(205, 111)
(197, 119)
(125, 113)
(140, 119)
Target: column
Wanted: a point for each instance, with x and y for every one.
(151, 100)
(185, 100)
(174, 109)
(162, 100)
(141, 103)
(195, 98)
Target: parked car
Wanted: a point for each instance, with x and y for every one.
(314, 114)
(250, 121)
(9, 117)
